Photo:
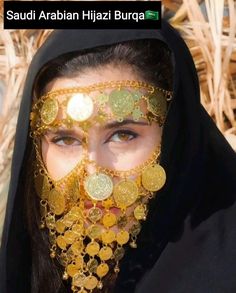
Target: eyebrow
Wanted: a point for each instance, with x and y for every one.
(124, 122)
(111, 125)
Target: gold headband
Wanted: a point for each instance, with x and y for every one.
(79, 104)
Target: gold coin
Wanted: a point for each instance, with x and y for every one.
(73, 215)
(92, 248)
(108, 237)
(77, 229)
(42, 186)
(94, 214)
(140, 212)
(119, 253)
(102, 270)
(121, 103)
(61, 242)
(72, 270)
(69, 237)
(92, 265)
(49, 111)
(153, 177)
(76, 212)
(77, 247)
(157, 104)
(125, 193)
(99, 186)
(56, 201)
(135, 229)
(105, 253)
(122, 237)
(74, 190)
(60, 227)
(80, 107)
(109, 220)
(122, 221)
(94, 231)
(79, 262)
(90, 282)
(78, 280)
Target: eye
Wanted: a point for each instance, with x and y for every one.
(123, 136)
(66, 141)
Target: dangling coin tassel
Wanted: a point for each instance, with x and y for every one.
(83, 239)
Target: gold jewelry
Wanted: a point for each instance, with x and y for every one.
(121, 98)
(84, 238)
(91, 219)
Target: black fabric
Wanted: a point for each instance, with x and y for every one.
(187, 242)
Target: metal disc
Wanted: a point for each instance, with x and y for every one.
(121, 102)
(153, 177)
(80, 107)
(49, 111)
(157, 104)
(99, 186)
(125, 193)
(57, 202)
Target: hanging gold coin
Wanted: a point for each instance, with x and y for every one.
(79, 261)
(121, 102)
(92, 265)
(109, 219)
(92, 248)
(122, 237)
(102, 270)
(78, 280)
(90, 282)
(140, 212)
(105, 253)
(94, 231)
(42, 186)
(56, 201)
(69, 237)
(125, 193)
(80, 107)
(94, 214)
(119, 253)
(49, 111)
(157, 104)
(77, 247)
(108, 237)
(72, 270)
(60, 226)
(61, 242)
(99, 186)
(153, 177)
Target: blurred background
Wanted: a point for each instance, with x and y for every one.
(209, 29)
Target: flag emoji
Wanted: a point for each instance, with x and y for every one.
(149, 14)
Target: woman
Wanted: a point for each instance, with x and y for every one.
(118, 154)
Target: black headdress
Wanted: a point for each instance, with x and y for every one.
(188, 241)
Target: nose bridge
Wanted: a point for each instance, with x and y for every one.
(92, 157)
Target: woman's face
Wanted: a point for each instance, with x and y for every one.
(114, 145)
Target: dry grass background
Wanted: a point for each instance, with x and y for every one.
(208, 27)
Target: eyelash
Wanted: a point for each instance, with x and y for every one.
(57, 139)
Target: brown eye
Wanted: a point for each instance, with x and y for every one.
(66, 141)
(123, 136)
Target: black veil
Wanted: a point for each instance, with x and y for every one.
(189, 230)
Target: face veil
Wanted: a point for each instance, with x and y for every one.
(199, 163)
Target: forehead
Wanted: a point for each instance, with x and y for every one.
(95, 75)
